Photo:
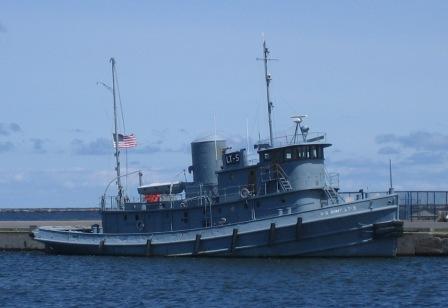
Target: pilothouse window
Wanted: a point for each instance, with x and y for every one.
(320, 152)
(303, 152)
(309, 152)
(313, 152)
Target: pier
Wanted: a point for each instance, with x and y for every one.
(16, 235)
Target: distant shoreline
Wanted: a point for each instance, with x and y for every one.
(50, 214)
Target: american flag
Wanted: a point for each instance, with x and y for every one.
(125, 141)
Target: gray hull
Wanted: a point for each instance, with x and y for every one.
(364, 228)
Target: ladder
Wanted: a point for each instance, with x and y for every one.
(283, 178)
(331, 193)
(276, 173)
(284, 183)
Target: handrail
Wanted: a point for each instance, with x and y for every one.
(281, 171)
(115, 178)
(103, 197)
(315, 137)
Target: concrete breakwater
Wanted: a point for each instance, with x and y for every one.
(16, 235)
(424, 239)
(419, 238)
(18, 239)
(16, 224)
(423, 244)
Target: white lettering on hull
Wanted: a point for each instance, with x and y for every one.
(338, 211)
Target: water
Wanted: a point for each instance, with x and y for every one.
(37, 279)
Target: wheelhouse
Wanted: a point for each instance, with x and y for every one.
(300, 152)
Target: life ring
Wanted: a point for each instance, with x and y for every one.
(244, 193)
(140, 225)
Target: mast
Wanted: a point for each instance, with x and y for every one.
(117, 151)
(268, 78)
(391, 188)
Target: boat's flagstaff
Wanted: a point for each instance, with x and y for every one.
(117, 148)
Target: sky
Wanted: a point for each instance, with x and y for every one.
(372, 75)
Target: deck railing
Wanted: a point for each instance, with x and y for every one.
(312, 137)
(413, 205)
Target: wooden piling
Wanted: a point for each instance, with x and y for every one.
(298, 227)
(197, 244)
(148, 247)
(272, 234)
(234, 240)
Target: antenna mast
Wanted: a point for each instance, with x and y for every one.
(268, 78)
(117, 151)
(391, 188)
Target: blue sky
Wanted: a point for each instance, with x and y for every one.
(372, 74)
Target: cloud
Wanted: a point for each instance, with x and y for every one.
(357, 163)
(357, 173)
(157, 148)
(425, 171)
(134, 163)
(162, 134)
(78, 130)
(426, 158)
(420, 161)
(419, 140)
(417, 149)
(7, 129)
(38, 145)
(2, 28)
(388, 151)
(100, 146)
(6, 146)
(183, 148)
(69, 186)
(14, 127)
(148, 149)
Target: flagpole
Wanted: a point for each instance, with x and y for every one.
(117, 150)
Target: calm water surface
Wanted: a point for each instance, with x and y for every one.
(37, 279)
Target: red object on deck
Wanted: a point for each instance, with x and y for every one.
(152, 198)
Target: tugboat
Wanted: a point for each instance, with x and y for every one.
(283, 205)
